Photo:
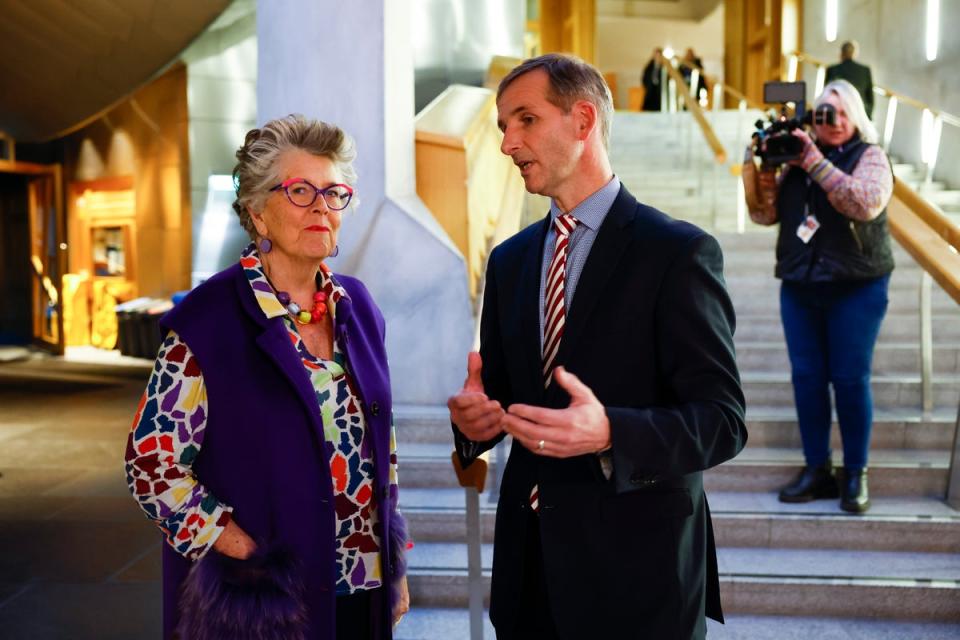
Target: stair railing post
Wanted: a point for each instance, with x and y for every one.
(926, 345)
(741, 116)
(889, 121)
(953, 473)
(935, 133)
(499, 464)
(793, 63)
(664, 88)
(474, 562)
(821, 79)
(714, 208)
(473, 478)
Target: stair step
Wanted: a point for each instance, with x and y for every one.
(898, 326)
(888, 357)
(765, 298)
(945, 197)
(753, 282)
(754, 627)
(892, 429)
(743, 520)
(885, 584)
(433, 623)
(889, 390)
(423, 623)
(838, 596)
(923, 187)
(893, 472)
(767, 426)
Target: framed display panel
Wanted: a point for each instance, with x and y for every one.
(104, 230)
(110, 249)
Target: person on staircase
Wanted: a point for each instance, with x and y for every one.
(263, 447)
(691, 61)
(651, 80)
(855, 73)
(834, 259)
(606, 352)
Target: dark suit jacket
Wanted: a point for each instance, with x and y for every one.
(651, 86)
(859, 76)
(650, 330)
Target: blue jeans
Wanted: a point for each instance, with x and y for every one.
(831, 329)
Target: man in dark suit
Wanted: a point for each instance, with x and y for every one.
(651, 81)
(603, 529)
(855, 73)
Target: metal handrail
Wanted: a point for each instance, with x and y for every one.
(726, 88)
(888, 92)
(693, 106)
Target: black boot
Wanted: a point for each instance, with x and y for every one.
(813, 483)
(854, 495)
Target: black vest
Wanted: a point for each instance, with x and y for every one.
(842, 248)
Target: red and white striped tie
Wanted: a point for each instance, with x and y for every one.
(554, 306)
(554, 309)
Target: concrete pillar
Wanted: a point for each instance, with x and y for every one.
(351, 63)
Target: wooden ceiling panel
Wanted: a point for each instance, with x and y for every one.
(64, 62)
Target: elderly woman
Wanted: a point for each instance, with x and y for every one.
(834, 257)
(263, 446)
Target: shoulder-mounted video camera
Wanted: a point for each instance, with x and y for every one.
(775, 143)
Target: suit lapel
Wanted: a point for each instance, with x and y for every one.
(528, 295)
(605, 254)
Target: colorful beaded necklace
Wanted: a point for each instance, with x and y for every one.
(301, 315)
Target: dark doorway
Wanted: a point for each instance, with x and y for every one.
(16, 320)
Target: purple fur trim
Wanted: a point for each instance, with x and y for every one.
(260, 598)
(398, 555)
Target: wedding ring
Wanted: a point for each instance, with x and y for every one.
(540, 446)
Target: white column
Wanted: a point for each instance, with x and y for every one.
(351, 63)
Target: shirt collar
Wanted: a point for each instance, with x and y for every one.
(593, 210)
(266, 295)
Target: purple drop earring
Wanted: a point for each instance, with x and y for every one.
(336, 251)
(265, 245)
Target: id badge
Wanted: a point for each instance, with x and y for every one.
(807, 228)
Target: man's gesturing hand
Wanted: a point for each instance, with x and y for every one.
(583, 427)
(478, 417)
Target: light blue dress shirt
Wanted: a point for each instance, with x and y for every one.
(590, 215)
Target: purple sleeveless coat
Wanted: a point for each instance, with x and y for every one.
(263, 449)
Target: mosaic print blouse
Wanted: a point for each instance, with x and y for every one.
(159, 456)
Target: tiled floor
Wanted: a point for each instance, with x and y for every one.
(77, 557)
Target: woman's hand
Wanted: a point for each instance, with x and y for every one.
(810, 154)
(760, 190)
(403, 603)
(767, 184)
(234, 542)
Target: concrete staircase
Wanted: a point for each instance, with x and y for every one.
(935, 191)
(787, 571)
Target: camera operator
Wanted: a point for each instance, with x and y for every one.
(835, 260)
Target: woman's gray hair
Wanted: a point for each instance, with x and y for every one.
(852, 104)
(256, 171)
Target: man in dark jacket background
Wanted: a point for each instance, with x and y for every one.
(853, 72)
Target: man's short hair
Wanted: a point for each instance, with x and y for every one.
(571, 79)
(849, 49)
